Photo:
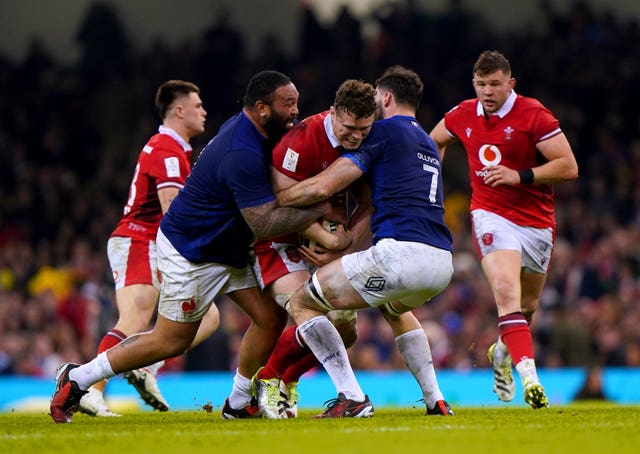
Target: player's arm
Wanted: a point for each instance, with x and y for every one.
(335, 178)
(166, 196)
(441, 137)
(561, 164)
(340, 239)
(269, 219)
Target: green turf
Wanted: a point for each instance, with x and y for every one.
(578, 429)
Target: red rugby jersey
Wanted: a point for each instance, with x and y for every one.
(508, 138)
(165, 161)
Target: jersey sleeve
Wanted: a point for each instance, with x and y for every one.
(545, 125)
(247, 178)
(451, 120)
(168, 168)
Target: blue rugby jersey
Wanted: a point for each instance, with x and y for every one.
(204, 222)
(403, 168)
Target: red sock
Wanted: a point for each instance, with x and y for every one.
(286, 352)
(113, 337)
(295, 371)
(516, 335)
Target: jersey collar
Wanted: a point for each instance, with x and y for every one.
(328, 129)
(502, 111)
(177, 137)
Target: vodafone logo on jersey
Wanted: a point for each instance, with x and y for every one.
(489, 155)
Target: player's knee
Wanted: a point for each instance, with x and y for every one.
(314, 294)
(174, 345)
(283, 300)
(393, 310)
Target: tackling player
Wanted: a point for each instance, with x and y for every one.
(203, 247)
(410, 260)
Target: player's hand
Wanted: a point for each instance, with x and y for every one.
(499, 175)
(342, 237)
(318, 255)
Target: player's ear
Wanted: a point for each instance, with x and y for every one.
(179, 110)
(262, 108)
(512, 82)
(387, 97)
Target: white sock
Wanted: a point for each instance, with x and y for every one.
(416, 352)
(500, 352)
(153, 369)
(326, 344)
(527, 371)
(92, 372)
(240, 395)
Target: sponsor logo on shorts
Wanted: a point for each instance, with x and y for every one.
(375, 283)
(189, 305)
(487, 239)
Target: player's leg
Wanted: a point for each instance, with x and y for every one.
(168, 338)
(532, 285)
(327, 290)
(209, 324)
(276, 383)
(500, 245)
(502, 269)
(279, 270)
(345, 323)
(414, 348)
(134, 266)
(267, 322)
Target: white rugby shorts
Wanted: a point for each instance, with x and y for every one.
(408, 272)
(188, 289)
(493, 232)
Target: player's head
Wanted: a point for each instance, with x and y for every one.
(403, 84)
(352, 112)
(274, 99)
(180, 107)
(492, 80)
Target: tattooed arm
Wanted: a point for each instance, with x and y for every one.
(270, 220)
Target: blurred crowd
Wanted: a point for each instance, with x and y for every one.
(70, 134)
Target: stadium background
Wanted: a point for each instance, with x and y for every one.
(76, 89)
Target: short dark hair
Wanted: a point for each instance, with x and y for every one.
(404, 83)
(491, 61)
(169, 91)
(262, 85)
(356, 97)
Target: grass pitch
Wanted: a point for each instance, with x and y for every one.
(585, 428)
